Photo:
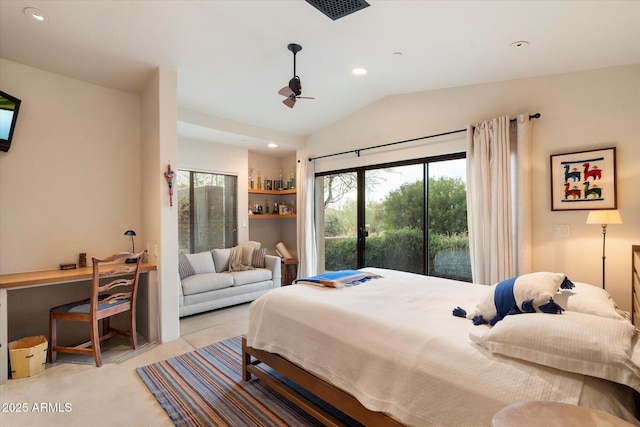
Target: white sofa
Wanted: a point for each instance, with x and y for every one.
(205, 282)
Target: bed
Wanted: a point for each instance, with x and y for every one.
(390, 352)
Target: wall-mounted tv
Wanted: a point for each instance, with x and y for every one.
(9, 107)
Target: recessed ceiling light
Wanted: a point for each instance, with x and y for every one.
(272, 145)
(359, 71)
(35, 14)
(519, 44)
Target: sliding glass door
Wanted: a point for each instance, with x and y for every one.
(207, 211)
(448, 248)
(338, 213)
(393, 231)
(408, 216)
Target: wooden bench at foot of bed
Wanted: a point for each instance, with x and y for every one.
(337, 398)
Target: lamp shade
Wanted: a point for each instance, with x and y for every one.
(129, 233)
(604, 217)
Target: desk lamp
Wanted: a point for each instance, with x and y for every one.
(131, 233)
(604, 218)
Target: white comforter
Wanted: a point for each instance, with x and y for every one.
(394, 344)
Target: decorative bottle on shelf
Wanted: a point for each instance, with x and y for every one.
(259, 181)
(275, 208)
(292, 180)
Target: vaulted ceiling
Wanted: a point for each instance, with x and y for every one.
(231, 56)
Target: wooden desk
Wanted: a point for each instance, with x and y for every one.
(28, 279)
(51, 277)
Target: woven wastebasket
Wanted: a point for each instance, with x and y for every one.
(27, 356)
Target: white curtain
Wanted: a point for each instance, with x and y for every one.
(499, 198)
(306, 230)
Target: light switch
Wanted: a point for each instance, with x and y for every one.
(561, 230)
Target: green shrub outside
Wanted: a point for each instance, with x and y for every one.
(397, 249)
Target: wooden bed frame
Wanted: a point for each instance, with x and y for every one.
(336, 397)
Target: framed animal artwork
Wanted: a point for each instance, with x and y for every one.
(585, 180)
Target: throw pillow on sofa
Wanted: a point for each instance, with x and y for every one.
(184, 267)
(202, 262)
(247, 251)
(258, 257)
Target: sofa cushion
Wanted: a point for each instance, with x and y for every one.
(184, 267)
(221, 259)
(205, 282)
(250, 276)
(257, 260)
(202, 262)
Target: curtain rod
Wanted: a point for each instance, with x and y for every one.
(357, 151)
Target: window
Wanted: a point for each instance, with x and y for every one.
(207, 211)
(409, 216)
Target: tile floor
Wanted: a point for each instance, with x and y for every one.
(76, 393)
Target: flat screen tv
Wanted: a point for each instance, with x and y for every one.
(9, 107)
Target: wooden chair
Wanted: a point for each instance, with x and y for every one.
(108, 275)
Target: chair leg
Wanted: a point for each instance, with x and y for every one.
(95, 343)
(53, 338)
(132, 329)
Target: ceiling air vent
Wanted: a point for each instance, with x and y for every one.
(336, 9)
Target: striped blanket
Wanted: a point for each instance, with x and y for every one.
(338, 279)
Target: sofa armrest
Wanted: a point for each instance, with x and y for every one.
(272, 263)
(180, 293)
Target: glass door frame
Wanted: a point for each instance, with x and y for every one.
(361, 200)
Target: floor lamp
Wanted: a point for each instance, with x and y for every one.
(604, 218)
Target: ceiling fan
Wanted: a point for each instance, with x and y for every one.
(294, 89)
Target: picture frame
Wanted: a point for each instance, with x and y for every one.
(268, 184)
(584, 180)
(285, 210)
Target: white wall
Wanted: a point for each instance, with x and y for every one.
(580, 111)
(160, 220)
(70, 182)
(75, 179)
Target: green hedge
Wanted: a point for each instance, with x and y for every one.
(399, 249)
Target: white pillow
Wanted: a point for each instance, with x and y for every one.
(573, 342)
(202, 262)
(588, 299)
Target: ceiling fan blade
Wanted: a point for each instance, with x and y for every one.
(289, 102)
(285, 91)
(305, 97)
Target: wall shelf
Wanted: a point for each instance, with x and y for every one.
(274, 192)
(271, 216)
(289, 192)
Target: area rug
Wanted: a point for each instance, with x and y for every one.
(205, 388)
